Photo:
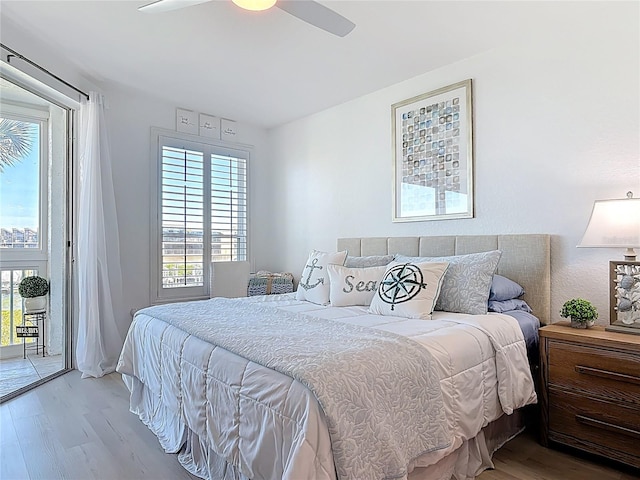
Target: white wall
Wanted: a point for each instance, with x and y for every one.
(556, 127)
(28, 44)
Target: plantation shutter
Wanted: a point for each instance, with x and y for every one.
(228, 208)
(182, 217)
(200, 214)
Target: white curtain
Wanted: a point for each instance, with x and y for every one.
(98, 257)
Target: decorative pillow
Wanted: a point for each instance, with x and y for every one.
(466, 285)
(368, 261)
(353, 286)
(409, 289)
(503, 288)
(314, 281)
(507, 305)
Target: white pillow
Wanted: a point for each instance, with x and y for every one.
(314, 281)
(353, 286)
(409, 289)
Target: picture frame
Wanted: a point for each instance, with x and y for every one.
(432, 137)
(624, 297)
(187, 121)
(209, 126)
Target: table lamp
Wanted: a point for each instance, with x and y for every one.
(616, 224)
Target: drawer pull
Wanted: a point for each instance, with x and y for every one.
(592, 422)
(621, 377)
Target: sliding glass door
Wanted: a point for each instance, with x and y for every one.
(34, 235)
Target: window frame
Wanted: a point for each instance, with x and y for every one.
(159, 139)
(40, 117)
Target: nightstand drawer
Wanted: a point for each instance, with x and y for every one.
(602, 423)
(608, 374)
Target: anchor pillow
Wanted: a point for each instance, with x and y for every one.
(409, 289)
(353, 286)
(314, 281)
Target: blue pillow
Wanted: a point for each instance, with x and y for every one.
(508, 305)
(504, 289)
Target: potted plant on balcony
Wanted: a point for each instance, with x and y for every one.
(34, 290)
(582, 313)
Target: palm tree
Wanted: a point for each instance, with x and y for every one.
(15, 141)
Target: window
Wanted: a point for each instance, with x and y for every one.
(201, 213)
(228, 208)
(182, 217)
(21, 178)
(23, 207)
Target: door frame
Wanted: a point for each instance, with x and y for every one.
(71, 107)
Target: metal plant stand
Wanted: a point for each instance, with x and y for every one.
(34, 318)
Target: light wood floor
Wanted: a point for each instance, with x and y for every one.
(70, 428)
(523, 458)
(18, 372)
(80, 429)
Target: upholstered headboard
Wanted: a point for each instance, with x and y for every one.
(526, 258)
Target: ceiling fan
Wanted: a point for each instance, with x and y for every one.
(308, 11)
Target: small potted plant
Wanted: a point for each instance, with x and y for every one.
(582, 313)
(34, 290)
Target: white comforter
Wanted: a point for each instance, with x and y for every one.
(277, 429)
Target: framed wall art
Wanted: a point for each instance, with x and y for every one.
(433, 155)
(624, 297)
(186, 121)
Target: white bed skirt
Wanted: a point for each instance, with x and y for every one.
(465, 463)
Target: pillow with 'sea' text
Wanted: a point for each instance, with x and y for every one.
(353, 286)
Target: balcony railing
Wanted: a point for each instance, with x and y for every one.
(11, 302)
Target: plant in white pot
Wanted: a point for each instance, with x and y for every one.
(581, 312)
(34, 290)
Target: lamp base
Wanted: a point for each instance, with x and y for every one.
(630, 255)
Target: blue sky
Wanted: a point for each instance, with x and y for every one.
(19, 190)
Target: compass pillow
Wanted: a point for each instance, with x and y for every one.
(467, 283)
(409, 289)
(353, 286)
(314, 281)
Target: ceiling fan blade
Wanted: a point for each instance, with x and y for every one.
(318, 15)
(160, 6)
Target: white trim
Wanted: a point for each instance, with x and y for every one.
(21, 111)
(36, 86)
(15, 350)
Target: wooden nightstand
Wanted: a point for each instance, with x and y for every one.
(590, 396)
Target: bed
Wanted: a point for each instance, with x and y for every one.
(339, 392)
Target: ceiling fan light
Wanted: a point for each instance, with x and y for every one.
(255, 5)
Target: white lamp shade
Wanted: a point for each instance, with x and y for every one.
(613, 223)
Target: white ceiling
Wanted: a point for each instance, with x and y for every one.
(269, 68)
